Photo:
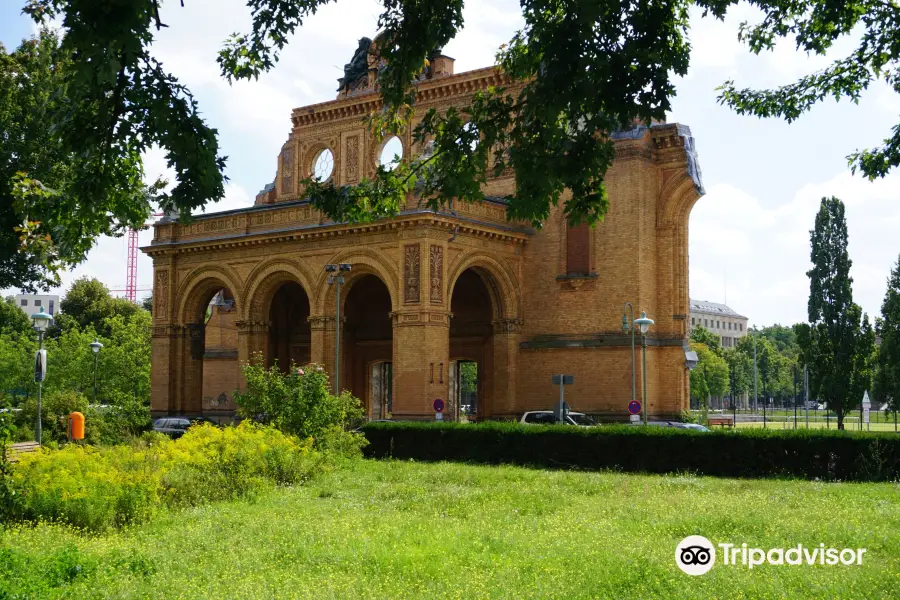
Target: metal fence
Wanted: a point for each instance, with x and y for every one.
(801, 418)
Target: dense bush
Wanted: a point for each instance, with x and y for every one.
(298, 403)
(809, 454)
(56, 405)
(122, 366)
(97, 488)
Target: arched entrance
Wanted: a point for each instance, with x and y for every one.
(289, 330)
(210, 368)
(367, 344)
(471, 346)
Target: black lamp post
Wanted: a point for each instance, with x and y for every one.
(41, 322)
(95, 347)
(644, 322)
(795, 396)
(336, 277)
(626, 326)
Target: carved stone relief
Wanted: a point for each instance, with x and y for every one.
(352, 159)
(161, 294)
(437, 274)
(411, 273)
(287, 170)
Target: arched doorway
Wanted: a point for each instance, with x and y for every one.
(210, 356)
(471, 346)
(289, 330)
(367, 344)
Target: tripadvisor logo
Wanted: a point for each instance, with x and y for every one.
(696, 555)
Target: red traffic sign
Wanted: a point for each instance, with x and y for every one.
(438, 405)
(634, 407)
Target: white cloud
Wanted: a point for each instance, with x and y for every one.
(762, 249)
(714, 43)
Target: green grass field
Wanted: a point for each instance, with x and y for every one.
(409, 530)
(788, 423)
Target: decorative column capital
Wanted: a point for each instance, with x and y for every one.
(323, 322)
(508, 325)
(252, 327)
(169, 331)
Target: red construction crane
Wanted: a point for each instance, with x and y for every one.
(131, 263)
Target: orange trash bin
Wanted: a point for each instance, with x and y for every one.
(76, 426)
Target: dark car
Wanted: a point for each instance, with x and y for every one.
(676, 425)
(175, 427)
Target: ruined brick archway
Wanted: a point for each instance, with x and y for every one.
(289, 339)
(206, 346)
(265, 281)
(367, 337)
(531, 313)
(474, 306)
(363, 261)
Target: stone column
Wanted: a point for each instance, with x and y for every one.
(192, 350)
(321, 336)
(421, 362)
(321, 344)
(505, 344)
(253, 338)
(165, 358)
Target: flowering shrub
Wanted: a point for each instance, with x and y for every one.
(298, 402)
(98, 488)
(211, 463)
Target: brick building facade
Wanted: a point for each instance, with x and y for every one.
(429, 289)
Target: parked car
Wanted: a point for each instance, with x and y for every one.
(175, 427)
(546, 417)
(676, 425)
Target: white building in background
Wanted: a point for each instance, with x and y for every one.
(35, 303)
(721, 320)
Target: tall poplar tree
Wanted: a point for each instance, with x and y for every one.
(834, 340)
(888, 373)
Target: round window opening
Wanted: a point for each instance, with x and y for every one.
(323, 165)
(391, 153)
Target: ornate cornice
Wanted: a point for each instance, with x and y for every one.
(337, 231)
(358, 106)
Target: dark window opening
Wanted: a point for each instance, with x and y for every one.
(578, 250)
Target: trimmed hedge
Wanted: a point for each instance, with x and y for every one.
(803, 453)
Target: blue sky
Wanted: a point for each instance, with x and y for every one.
(749, 236)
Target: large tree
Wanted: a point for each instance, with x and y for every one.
(837, 334)
(588, 69)
(12, 318)
(702, 335)
(88, 303)
(710, 376)
(888, 371)
(740, 371)
(56, 198)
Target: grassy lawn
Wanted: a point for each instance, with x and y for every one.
(408, 530)
(788, 423)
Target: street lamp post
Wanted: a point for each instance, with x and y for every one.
(336, 277)
(95, 347)
(41, 322)
(644, 323)
(755, 390)
(795, 395)
(626, 326)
